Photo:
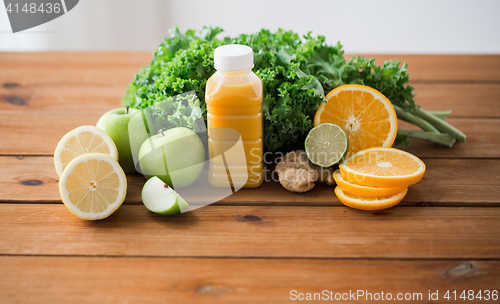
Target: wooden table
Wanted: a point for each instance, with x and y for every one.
(256, 245)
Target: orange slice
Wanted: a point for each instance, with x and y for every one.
(383, 167)
(366, 191)
(369, 203)
(366, 115)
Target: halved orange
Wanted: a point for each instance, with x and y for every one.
(364, 113)
(369, 203)
(383, 167)
(366, 191)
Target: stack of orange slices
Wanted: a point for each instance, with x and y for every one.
(377, 178)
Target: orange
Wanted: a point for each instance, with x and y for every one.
(383, 167)
(364, 113)
(366, 191)
(369, 203)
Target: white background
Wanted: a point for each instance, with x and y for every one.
(388, 26)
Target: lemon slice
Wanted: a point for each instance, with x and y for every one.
(82, 140)
(364, 113)
(383, 167)
(93, 186)
(369, 203)
(348, 187)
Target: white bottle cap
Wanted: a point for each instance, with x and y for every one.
(233, 57)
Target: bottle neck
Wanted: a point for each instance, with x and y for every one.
(234, 72)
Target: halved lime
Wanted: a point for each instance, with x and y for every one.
(326, 145)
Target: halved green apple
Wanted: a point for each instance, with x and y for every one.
(160, 198)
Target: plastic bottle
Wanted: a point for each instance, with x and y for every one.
(234, 101)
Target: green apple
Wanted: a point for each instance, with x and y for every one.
(159, 198)
(115, 124)
(138, 132)
(176, 156)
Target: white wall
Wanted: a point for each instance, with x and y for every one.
(365, 26)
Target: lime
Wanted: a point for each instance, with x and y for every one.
(326, 144)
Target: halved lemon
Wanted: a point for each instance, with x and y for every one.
(364, 113)
(82, 140)
(383, 167)
(348, 187)
(93, 186)
(369, 203)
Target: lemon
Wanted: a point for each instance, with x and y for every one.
(93, 186)
(82, 140)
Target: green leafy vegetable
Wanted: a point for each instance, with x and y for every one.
(179, 111)
(296, 72)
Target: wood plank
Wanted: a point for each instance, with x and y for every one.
(217, 231)
(41, 60)
(25, 69)
(33, 179)
(447, 68)
(474, 68)
(62, 98)
(446, 183)
(52, 75)
(38, 134)
(465, 100)
(165, 280)
(469, 100)
(483, 140)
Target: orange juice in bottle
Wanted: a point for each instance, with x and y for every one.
(234, 102)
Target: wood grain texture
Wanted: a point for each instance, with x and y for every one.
(61, 98)
(483, 141)
(447, 68)
(74, 59)
(34, 179)
(71, 67)
(447, 182)
(170, 280)
(258, 244)
(469, 100)
(38, 134)
(314, 232)
(464, 100)
(421, 67)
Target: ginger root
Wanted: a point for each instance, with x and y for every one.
(325, 175)
(297, 174)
